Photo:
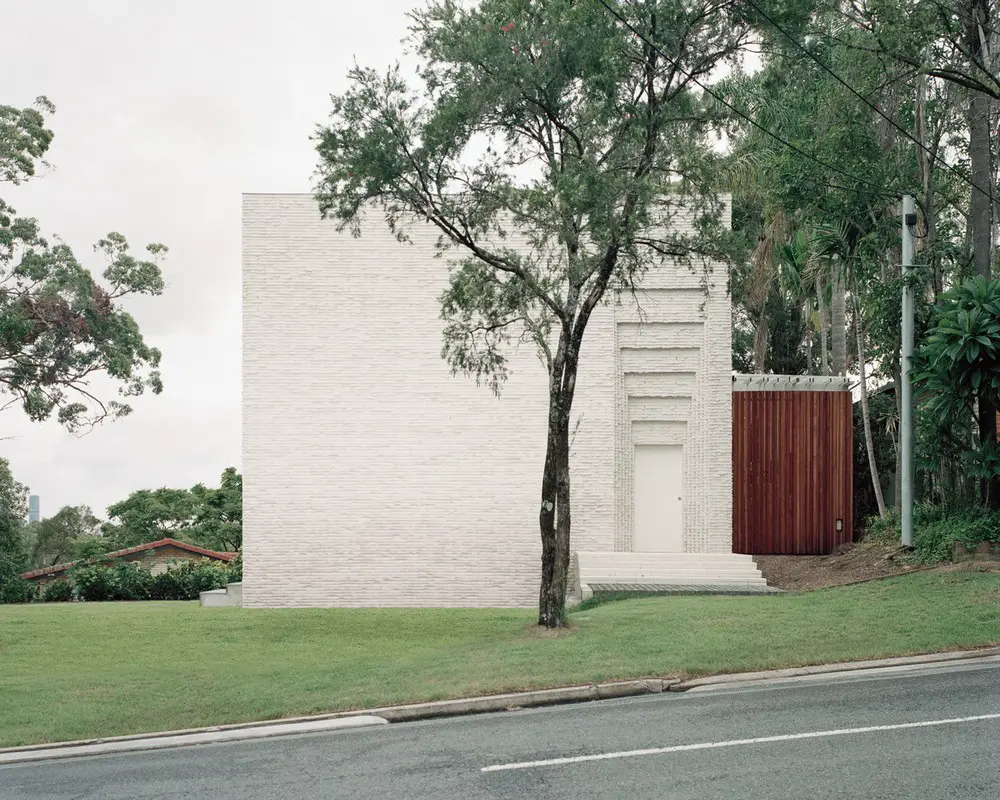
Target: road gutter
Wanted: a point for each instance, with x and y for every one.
(931, 659)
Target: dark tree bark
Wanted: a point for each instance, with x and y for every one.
(838, 310)
(554, 517)
(976, 29)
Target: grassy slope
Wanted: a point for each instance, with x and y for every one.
(88, 670)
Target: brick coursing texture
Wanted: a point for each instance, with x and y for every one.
(374, 477)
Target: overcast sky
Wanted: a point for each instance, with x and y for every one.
(166, 113)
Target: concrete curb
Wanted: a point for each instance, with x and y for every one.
(454, 708)
(519, 700)
(830, 669)
(164, 741)
(334, 721)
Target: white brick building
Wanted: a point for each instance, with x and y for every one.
(374, 477)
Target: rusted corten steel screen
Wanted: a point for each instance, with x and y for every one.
(792, 471)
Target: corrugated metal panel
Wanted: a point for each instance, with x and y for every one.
(792, 471)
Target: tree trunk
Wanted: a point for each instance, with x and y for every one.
(838, 307)
(554, 518)
(824, 344)
(976, 25)
(865, 416)
(760, 342)
(976, 22)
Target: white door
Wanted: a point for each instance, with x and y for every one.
(657, 480)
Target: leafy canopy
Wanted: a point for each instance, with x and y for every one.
(13, 509)
(207, 516)
(959, 365)
(59, 326)
(549, 145)
(54, 540)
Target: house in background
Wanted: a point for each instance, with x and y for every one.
(409, 486)
(157, 556)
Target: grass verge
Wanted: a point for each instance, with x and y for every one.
(103, 669)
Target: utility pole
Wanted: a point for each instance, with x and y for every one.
(906, 413)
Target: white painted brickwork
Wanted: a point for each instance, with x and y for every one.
(373, 477)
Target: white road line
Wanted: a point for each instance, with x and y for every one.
(789, 737)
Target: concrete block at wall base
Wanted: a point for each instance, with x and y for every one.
(214, 597)
(232, 595)
(235, 591)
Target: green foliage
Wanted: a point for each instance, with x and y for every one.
(202, 576)
(13, 558)
(884, 424)
(17, 590)
(55, 538)
(169, 585)
(893, 59)
(206, 516)
(594, 145)
(25, 139)
(123, 580)
(588, 129)
(148, 515)
(937, 528)
(59, 326)
(13, 553)
(57, 591)
(186, 581)
(93, 582)
(959, 365)
(236, 569)
(218, 518)
(90, 546)
(130, 580)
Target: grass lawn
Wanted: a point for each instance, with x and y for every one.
(103, 669)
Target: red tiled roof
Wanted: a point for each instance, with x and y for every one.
(192, 548)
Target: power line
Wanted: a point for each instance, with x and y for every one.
(867, 102)
(734, 109)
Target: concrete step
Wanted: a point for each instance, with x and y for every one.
(232, 595)
(626, 567)
(736, 558)
(669, 577)
(667, 572)
(682, 588)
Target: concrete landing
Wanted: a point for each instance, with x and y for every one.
(701, 573)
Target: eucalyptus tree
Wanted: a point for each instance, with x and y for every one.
(592, 134)
(59, 325)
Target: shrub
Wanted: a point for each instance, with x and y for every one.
(236, 569)
(936, 529)
(202, 576)
(57, 591)
(130, 581)
(168, 585)
(93, 582)
(882, 530)
(18, 590)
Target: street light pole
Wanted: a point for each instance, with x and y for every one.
(906, 415)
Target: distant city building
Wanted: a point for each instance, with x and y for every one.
(34, 508)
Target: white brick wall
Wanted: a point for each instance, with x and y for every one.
(372, 476)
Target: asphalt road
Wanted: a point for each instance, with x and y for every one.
(699, 743)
